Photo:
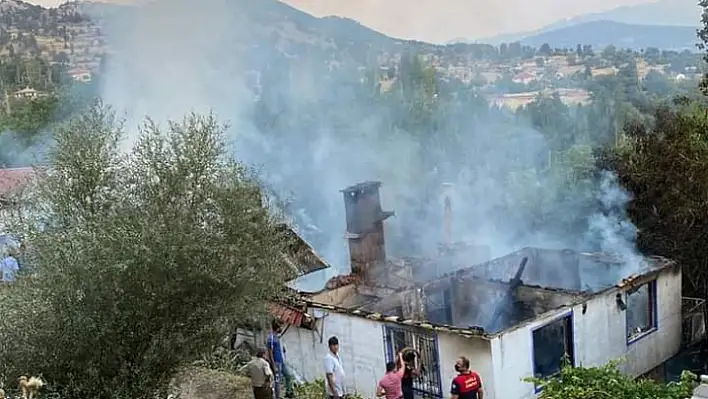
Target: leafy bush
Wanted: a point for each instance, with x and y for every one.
(221, 359)
(316, 390)
(608, 382)
(140, 261)
(310, 390)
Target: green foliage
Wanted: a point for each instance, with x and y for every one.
(220, 359)
(703, 45)
(139, 261)
(610, 383)
(316, 390)
(663, 166)
(30, 116)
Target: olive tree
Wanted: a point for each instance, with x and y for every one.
(137, 260)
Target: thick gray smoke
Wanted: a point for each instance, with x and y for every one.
(177, 56)
(16, 151)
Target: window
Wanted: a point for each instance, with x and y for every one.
(438, 306)
(396, 338)
(641, 311)
(552, 345)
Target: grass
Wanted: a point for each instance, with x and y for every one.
(202, 383)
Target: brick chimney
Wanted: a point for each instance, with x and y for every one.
(365, 232)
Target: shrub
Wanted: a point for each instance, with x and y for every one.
(608, 382)
(141, 261)
(316, 390)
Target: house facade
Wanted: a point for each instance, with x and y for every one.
(514, 317)
(639, 323)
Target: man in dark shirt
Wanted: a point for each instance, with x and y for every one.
(467, 384)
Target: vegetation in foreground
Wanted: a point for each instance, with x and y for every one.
(137, 263)
(609, 382)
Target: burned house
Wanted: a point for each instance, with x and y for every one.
(514, 316)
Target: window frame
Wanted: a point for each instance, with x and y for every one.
(653, 312)
(413, 337)
(569, 317)
(436, 312)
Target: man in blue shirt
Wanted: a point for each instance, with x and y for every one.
(276, 357)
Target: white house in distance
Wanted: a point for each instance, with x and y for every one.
(514, 317)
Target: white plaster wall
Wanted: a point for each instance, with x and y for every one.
(599, 336)
(479, 351)
(512, 357)
(364, 357)
(361, 348)
(601, 331)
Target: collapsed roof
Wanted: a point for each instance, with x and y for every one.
(473, 301)
(463, 290)
(301, 255)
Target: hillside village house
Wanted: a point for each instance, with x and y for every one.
(514, 317)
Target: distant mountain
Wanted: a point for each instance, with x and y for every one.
(600, 34)
(272, 20)
(662, 12)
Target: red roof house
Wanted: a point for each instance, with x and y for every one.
(12, 179)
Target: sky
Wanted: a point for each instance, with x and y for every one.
(439, 21)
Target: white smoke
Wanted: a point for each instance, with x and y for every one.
(177, 56)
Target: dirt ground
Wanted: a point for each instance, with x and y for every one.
(200, 383)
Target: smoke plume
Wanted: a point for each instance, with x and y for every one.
(16, 151)
(299, 112)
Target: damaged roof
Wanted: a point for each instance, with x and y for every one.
(358, 312)
(301, 255)
(567, 270)
(503, 270)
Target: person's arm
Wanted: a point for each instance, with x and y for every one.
(380, 390)
(329, 374)
(415, 371)
(245, 370)
(401, 370)
(270, 357)
(455, 390)
(480, 391)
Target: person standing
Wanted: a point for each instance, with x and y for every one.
(390, 385)
(410, 372)
(276, 357)
(334, 371)
(258, 370)
(467, 384)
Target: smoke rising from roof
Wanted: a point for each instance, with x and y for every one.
(311, 126)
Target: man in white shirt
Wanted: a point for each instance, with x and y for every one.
(258, 370)
(334, 372)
